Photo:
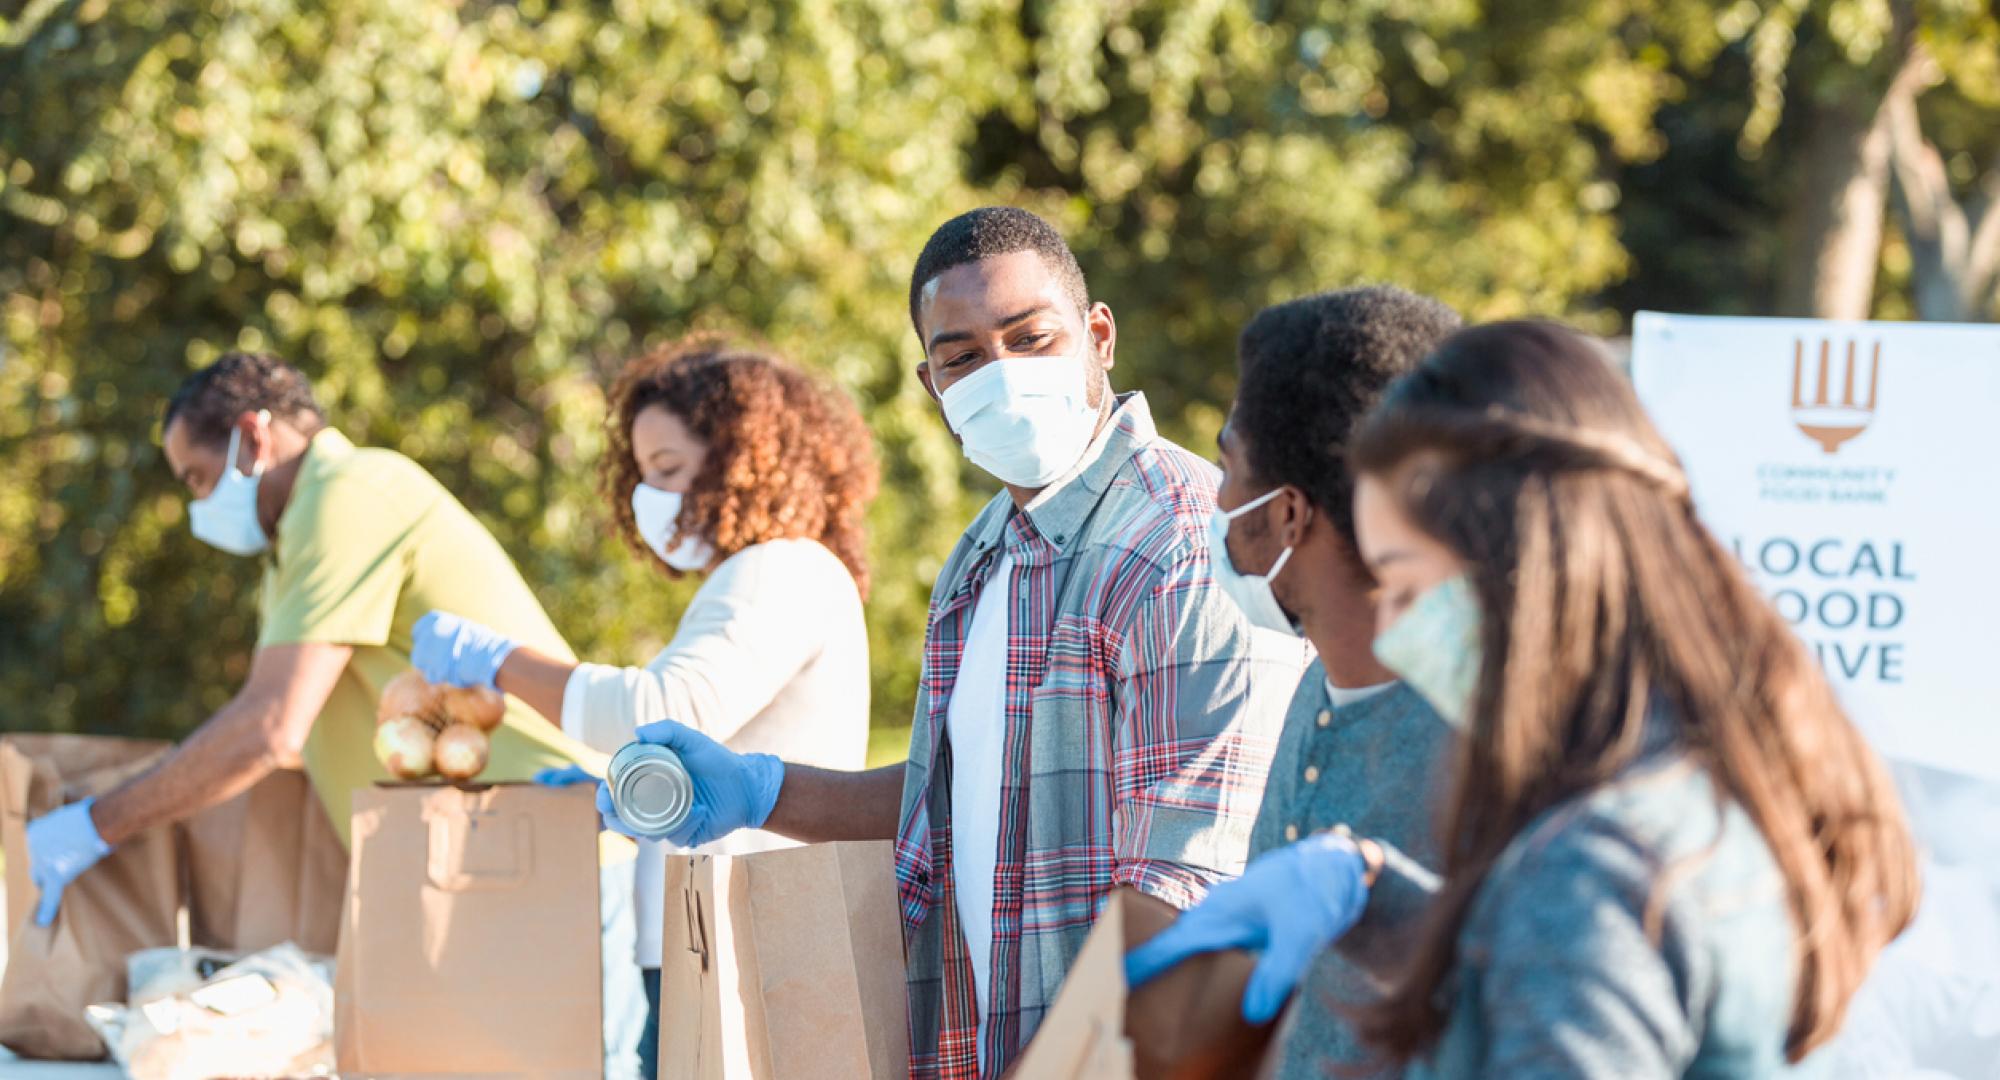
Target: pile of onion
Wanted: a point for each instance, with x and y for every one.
(422, 729)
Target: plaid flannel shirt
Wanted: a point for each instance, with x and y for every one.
(1142, 710)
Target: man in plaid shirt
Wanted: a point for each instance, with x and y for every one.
(1093, 711)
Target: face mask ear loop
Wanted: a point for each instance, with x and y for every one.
(235, 442)
(1284, 557)
(229, 456)
(1253, 504)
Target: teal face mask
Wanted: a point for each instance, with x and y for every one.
(1434, 647)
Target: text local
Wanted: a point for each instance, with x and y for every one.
(1859, 595)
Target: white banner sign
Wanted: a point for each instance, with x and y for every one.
(1852, 467)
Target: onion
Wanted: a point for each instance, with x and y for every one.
(476, 706)
(407, 695)
(461, 752)
(404, 746)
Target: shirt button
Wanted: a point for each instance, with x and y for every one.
(1291, 833)
(1325, 717)
(1312, 774)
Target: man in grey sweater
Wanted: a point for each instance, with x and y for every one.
(1359, 750)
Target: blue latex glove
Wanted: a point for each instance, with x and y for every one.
(565, 776)
(453, 651)
(61, 845)
(731, 791)
(562, 776)
(1288, 905)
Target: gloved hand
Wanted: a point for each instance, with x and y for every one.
(454, 651)
(1288, 905)
(731, 791)
(562, 776)
(61, 845)
(565, 776)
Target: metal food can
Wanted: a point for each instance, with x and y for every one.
(650, 789)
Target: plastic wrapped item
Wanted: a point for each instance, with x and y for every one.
(195, 1014)
(158, 973)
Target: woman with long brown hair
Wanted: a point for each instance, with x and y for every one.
(730, 463)
(1666, 850)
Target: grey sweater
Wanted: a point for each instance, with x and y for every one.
(1375, 766)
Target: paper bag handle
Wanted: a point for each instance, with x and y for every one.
(697, 926)
(466, 857)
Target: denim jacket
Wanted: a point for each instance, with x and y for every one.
(1559, 974)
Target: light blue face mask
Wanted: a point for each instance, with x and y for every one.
(1434, 648)
(227, 518)
(1252, 592)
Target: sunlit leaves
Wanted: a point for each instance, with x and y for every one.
(461, 216)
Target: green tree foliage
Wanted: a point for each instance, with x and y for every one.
(462, 216)
(1875, 106)
(460, 219)
(1220, 156)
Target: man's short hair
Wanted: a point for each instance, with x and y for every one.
(989, 232)
(1310, 369)
(209, 401)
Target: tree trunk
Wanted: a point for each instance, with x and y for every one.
(1833, 232)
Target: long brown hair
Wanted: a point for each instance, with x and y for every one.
(788, 457)
(1517, 445)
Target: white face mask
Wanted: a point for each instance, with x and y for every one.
(656, 512)
(1251, 592)
(1028, 419)
(227, 518)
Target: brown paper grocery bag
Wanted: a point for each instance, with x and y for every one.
(783, 964)
(129, 901)
(1187, 1024)
(266, 868)
(1083, 1033)
(470, 936)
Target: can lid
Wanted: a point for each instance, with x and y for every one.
(655, 788)
(652, 793)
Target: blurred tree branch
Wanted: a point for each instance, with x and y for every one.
(1954, 244)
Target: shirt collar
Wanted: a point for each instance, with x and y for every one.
(1391, 699)
(1059, 513)
(327, 447)
(1346, 697)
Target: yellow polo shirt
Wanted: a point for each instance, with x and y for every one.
(369, 543)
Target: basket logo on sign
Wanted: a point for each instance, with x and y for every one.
(1824, 420)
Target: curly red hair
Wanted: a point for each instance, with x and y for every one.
(788, 457)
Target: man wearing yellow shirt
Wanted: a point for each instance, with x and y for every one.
(357, 544)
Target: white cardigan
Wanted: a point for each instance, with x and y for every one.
(771, 656)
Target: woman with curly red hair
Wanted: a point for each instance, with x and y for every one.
(733, 464)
